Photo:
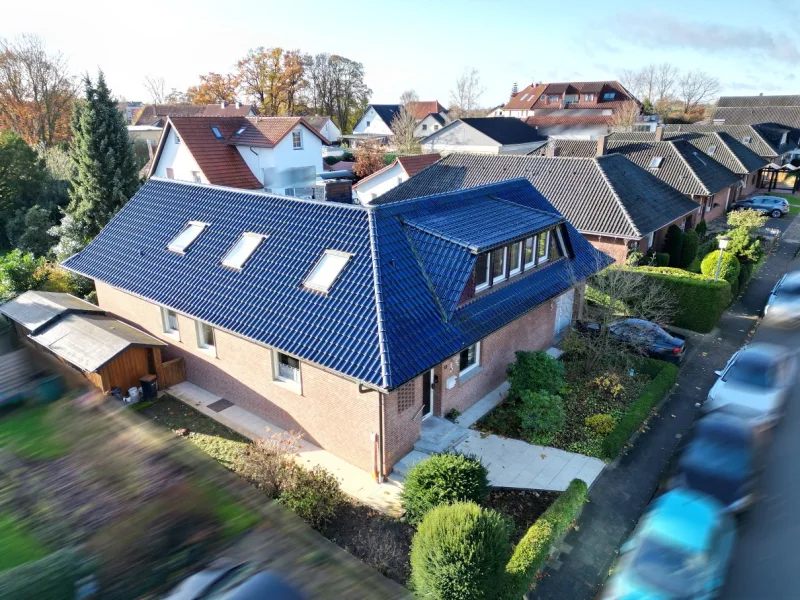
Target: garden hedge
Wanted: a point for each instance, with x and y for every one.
(664, 377)
(52, 577)
(531, 552)
(700, 299)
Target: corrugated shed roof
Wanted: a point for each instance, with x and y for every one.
(580, 148)
(33, 310)
(607, 195)
(504, 130)
(388, 317)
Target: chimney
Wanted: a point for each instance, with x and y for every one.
(238, 104)
(552, 150)
(223, 104)
(761, 93)
(339, 190)
(602, 142)
(660, 133)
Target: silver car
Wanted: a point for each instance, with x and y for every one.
(783, 306)
(774, 206)
(754, 384)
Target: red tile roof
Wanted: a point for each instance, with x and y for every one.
(155, 113)
(229, 110)
(266, 132)
(414, 164)
(547, 120)
(220, 162)
(422, 109)
(535, 96)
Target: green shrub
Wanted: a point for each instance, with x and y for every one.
(532, 550)
(535, 371)
(673, 245)
(389, 157)
(52, 577)
(332, 160)
(701, 228)
(541, 412)
(313, 495)
(347, 156)
(639, 410)
(635, 258)
(459, 551)
(601, 424)
(700, 300)
(744, 245)
(443, 479)
(690, 244)
(729, 269)
(706, 247)
(662, 259)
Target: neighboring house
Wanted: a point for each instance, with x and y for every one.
(278, 154)
(346, 323)
(484, 135)
(614, 203)
(325, 126)
(377, 119)
(129, 110)
(376, 122)
(430, 115)
(783, 111)
(157, 114)
(401, 169)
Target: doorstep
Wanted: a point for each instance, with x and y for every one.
(355, 482)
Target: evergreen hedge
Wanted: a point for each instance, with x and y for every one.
(691, 242)
(52, 577)
(700, 300)
(531, 552)
(673, 245)
(729, 266)
(665, 375)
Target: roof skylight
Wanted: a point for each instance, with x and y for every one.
(711, 150)
(655, 162)
(215, 130)
(327, 270)
(242, 250)
(747, 139)
(241, 129)
(187, 236)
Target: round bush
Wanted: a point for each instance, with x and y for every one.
(701, 228)
(541, 413)
(673, 245)
(460, 551)
(443, 479)
(691, 242)
(535, 371)
(601, 424)
(729, 271)
(662, 259)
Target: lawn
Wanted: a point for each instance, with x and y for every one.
(794, 202)
(18, 545)
(31, 433)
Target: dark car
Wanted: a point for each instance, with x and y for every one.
(774, 206)
(656, 341)
(227, 580)
(719, 460)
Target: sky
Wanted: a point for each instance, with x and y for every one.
(423, 45)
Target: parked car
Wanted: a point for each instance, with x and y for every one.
(680, 549)
(231, 580)
(720, 460)
(773, 206)
(754, 384)
(656, 341)
(783, 306)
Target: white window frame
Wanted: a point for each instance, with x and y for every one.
(543, 259)
(295, 385)
(196, 177)
(201, 343)
(532, 263)
(502, 277)
(165, 324)
(516, 270)
(588, 97)
(474, 366)
(485, 286)
(329, 252)
(651, 239)
(553, 98)
(226, 261)
(297, 143)
(609, 95)
(171, 246)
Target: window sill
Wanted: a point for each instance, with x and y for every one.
(209, 351)
(465, 376)
(173, 335)
(291, 386)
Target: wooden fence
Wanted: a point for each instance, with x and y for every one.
(174, 372)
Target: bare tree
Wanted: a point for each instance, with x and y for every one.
(157, 88)
(404, 125)
(631, 80)
(697, 87)
(466, 94)
(408, 96)
(648, 76)
(666, 77)
(177, 97)
(625, 116)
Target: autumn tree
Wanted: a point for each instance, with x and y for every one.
(259, 74)
(294, 81)
(696, 87)
(36, 91)
(404, 124)
(214, 89)
(369, 158)
(626, 116)
(466, 95)
(336, 87)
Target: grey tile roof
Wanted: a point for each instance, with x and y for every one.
(582, 148)
(504, 130)
(759, 101)
(786, 116)
(758, 143)
(386, 112)
(608, 195)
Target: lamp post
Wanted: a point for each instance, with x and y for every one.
(723, 243)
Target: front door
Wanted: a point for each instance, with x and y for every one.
(427, 393)
(564, 312)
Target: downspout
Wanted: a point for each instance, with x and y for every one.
(381, 412)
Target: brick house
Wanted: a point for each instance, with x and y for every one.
(614, 203)
(348, 323)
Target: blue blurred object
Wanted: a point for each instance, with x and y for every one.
(680, 549)
(229, 580)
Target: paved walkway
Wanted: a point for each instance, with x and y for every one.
(355, 482)
(581, 564)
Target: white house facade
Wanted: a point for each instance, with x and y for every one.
(175, 161)
(374, 120)
(513, 137)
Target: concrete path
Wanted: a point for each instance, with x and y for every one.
(355, 482)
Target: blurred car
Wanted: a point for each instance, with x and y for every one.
(774, 206)
(783, 306)
(656, 341)
(229, 580)
(719, 460)
(754, 384)
(680, 549)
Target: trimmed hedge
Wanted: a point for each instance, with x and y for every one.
(662, 259)
(53, 577)
(700, 299)
(729, 266)
(689, 251)
(532, 550)
(665, 375)
(673, 245)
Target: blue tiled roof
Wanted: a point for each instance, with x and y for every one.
(392, 313)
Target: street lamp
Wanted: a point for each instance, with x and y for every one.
(723, 243)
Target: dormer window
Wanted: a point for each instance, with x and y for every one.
(553, 98)
(588, 97)
(186, 237)
(609, 95)
(242, 250)
(215, 130)
(327, 270)
(499, 264)
(655, 162)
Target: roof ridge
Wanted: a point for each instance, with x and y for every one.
(728, 147)
(448, 193)
(373, 174)
(421, 264)
(688, 166)
(383, 345)
(616, 195)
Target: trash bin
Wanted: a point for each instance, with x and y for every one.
(149, 387)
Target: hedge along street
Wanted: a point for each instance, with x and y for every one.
(619, 496)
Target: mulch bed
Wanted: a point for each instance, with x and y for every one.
(523, 506)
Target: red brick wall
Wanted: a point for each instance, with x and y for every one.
(616, 248)
(330, 411)
(402, 421)
(718, 198)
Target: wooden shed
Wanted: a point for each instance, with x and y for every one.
(107, 351)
